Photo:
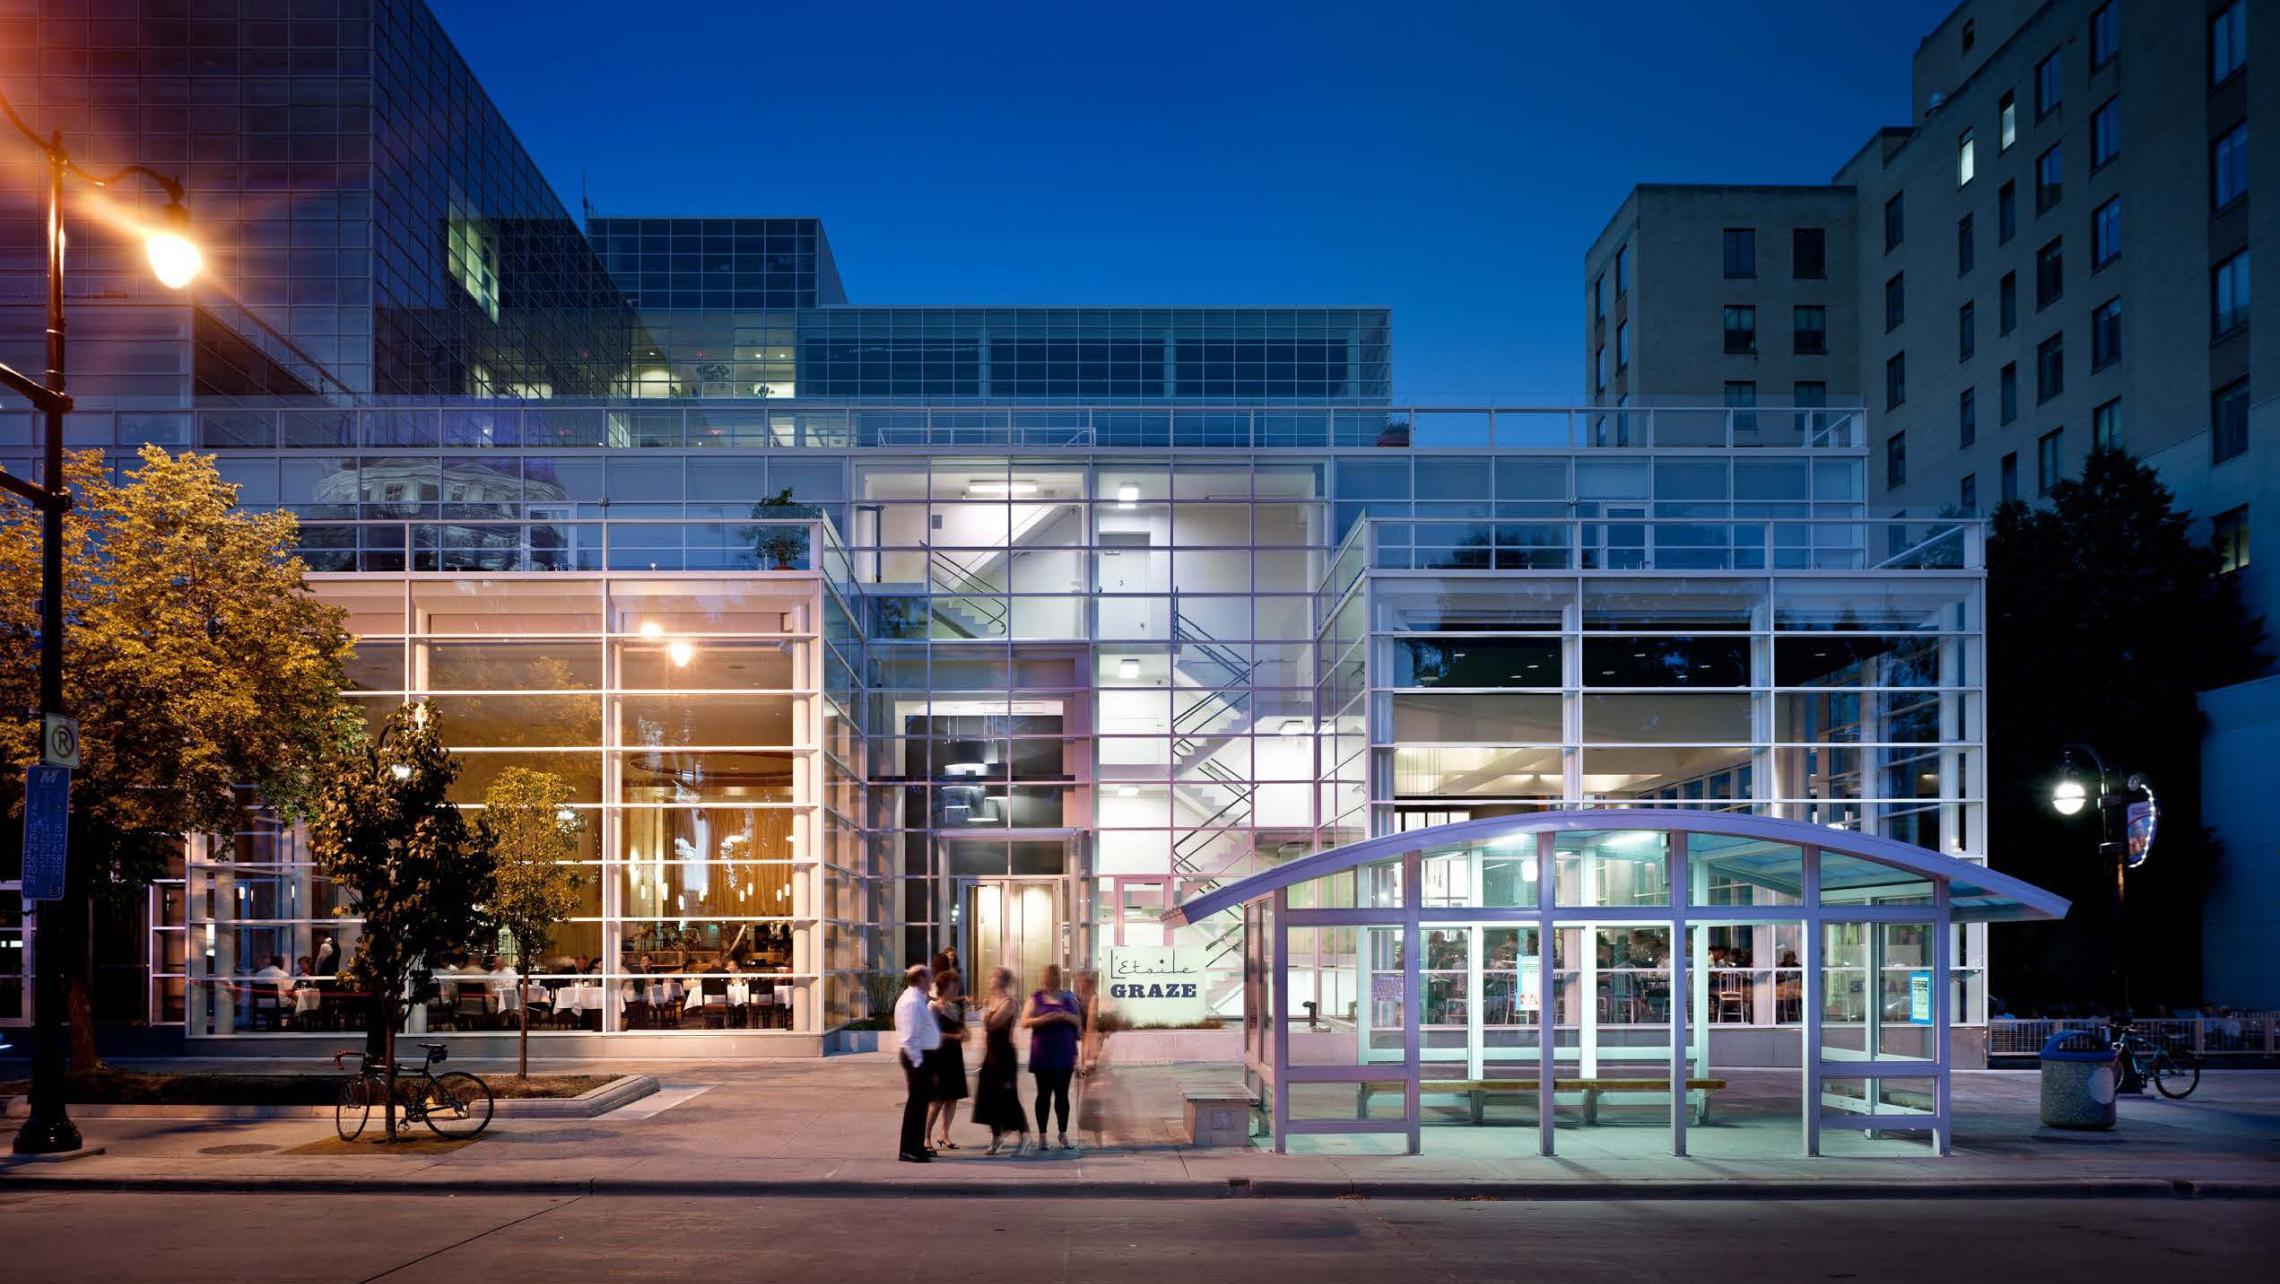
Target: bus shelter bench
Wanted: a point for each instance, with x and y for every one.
(1480, 1090)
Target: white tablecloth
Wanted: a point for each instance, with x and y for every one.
(578, 998)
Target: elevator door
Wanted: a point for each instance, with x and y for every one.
(1012, 923)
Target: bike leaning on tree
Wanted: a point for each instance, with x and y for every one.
(454, 1105)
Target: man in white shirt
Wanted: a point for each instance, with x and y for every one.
(916, 1034)
(273, 976)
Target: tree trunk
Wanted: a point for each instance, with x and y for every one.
(70, 936)
(388, 1069)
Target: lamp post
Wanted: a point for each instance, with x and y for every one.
(2068, 798)
(175, 260)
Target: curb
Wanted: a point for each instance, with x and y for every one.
(1177, 1189)
(589, 1104)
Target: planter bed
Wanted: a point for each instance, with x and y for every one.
(136, 1094)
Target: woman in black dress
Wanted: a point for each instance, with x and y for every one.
(997, 1099)
(946, 1065)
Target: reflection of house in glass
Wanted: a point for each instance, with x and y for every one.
(503, 504)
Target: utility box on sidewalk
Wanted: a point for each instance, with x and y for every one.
(2077, 1081)
(1219, 1117)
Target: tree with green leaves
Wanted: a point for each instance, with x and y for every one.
(2105, 619)
(533, 836)
(204, 675)
(418, 875)
(777, 545)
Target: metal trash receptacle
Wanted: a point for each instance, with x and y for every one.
(2077, 1080)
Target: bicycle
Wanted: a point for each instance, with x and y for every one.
(454, 1105)
(2172, 1073)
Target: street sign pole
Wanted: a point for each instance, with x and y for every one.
(47, 1127)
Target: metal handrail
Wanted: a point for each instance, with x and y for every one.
(793, 423)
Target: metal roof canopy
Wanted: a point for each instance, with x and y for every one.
(1976, 894)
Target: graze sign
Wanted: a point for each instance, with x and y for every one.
(1155, 985)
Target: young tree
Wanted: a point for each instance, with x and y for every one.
(777, 547)
(528, 818)
(203, 673)
(420, 877)
(2105, 619)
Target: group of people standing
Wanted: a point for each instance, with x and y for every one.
(931, 1031)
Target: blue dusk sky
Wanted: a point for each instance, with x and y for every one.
(1450, 161)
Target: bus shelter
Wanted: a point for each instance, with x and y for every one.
(1573, 963)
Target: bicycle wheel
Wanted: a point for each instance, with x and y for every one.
(456, 1104)
(353, 1109)
(2174, 1076)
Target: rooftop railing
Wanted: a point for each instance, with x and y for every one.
(558, 425)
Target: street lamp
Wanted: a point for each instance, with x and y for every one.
(2068, 798)
(48, 1128)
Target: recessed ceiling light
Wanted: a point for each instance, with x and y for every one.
(1127, 669)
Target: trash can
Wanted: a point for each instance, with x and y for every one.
(2077, 1080)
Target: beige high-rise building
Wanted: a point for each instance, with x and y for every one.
(2055, 252)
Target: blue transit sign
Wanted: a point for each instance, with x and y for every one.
(47, 821)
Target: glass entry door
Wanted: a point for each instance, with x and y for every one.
(1012, 923)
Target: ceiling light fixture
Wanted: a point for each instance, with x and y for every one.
(999, 489)
(1127, 669)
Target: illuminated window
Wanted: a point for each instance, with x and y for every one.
(473, 254)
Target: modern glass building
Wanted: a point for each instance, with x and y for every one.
(861, 631)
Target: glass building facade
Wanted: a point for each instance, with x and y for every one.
(861, 631)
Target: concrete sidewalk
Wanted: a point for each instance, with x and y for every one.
(827, 1128)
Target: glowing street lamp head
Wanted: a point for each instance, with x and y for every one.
(174, 258)
(2069, 797)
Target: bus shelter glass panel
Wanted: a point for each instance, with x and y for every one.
(1497, 874)
(1325, 975)
(1621, 868)
(1727, 872)
(1855, 880)
(1877, 991)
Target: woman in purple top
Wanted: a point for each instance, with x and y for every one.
(1056, 1025)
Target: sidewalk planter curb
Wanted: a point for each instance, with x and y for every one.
(589, 1104)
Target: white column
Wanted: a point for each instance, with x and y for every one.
(1943, 989)
(1809, 990)
(1681, 985)
(1547, 998)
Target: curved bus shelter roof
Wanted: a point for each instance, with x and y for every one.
(1571, 958)
(1976, 893)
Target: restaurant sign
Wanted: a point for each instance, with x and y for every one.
(1155, 985)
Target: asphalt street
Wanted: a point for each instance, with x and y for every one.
(181, 1239)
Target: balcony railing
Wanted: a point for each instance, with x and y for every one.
(565, 424)
(1638, 543)
(532, 544)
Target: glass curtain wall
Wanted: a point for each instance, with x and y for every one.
(1515, 665)
(701, 727)
(1098, 672)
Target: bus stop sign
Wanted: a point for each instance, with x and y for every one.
(47, 822)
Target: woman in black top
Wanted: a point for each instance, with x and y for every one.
(997, 1093)
(946, 1065)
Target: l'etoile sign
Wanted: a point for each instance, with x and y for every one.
(1156, 985)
